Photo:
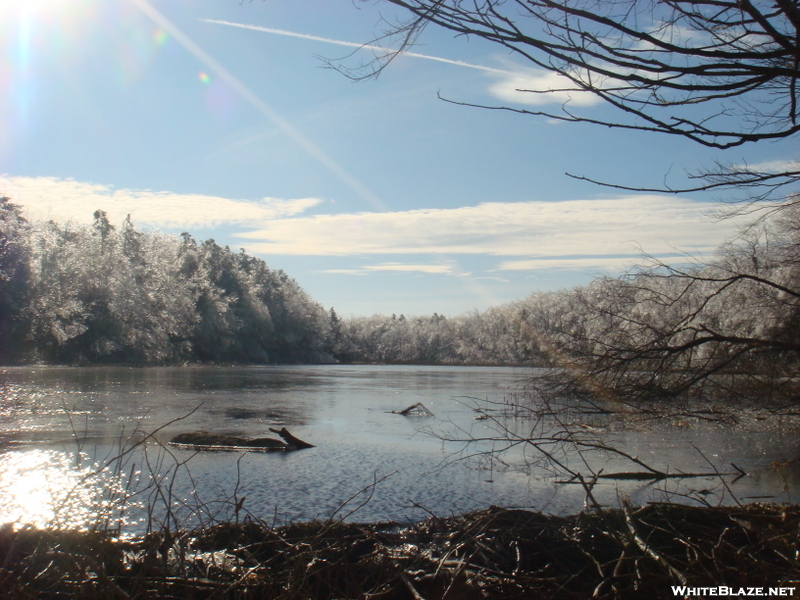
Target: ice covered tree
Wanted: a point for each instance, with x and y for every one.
(14, 274)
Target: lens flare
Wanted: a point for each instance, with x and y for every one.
(204, 77)
(160, 36)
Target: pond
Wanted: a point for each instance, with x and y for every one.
(62, 431)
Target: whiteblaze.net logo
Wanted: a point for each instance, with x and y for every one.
(684, 591)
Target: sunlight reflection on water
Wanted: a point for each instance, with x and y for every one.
(46, 488)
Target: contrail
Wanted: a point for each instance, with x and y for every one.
(265, 109)
(315, 38)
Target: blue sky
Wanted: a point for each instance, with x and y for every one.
(218, 117)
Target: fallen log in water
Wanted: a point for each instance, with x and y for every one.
(203, 440)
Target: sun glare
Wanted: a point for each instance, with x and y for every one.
(50, 10)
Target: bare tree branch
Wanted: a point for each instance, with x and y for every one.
(656, 61)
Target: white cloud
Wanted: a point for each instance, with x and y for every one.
(772, 166)
(344, 271)
(617, 263)
(66, 199)
(540, 87)
(574, 234)
(593, 262)
(657, 225)
(398, 267)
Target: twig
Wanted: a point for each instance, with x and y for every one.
(404, 578)
(644, 547)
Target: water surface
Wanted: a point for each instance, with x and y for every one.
(58, 424)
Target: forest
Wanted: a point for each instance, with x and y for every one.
(106, 293)
(72, 294)
(109, 294)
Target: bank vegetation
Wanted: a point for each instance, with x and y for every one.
(645, 552)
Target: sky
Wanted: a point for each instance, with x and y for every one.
(223, 118)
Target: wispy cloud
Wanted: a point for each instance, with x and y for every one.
(396, 267)
(772, 166)
(438, 269)
(520, 86)
(66, 199)
(575, 234)
(625, 226)
(344, 271)
(618, 263)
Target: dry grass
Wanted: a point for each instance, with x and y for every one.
(495, 553)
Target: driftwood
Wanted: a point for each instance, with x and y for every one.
(203, 440)
(415, 410)
(290, 439)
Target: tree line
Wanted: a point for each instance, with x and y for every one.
(75, 294)
(106, 294)
(100, 293)
(493, 337)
